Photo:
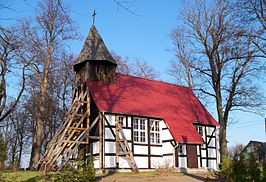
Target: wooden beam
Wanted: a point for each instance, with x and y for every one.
(101, 140)
(75, 142)
(116, 142)
(94, 137)
(75, 128)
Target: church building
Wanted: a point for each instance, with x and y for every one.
(131, 122)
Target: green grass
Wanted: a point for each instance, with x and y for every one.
(23, 176)
(34, 176)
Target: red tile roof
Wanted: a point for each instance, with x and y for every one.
(176, 105)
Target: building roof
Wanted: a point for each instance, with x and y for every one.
(94, 49)
(176, 105)
(261, 145)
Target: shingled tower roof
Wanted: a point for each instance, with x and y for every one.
(94, 49)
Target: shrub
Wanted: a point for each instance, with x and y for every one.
(264, 171)
(81, 173)
(234, 170)
(253, 170)
(227, 168)
(239, 170)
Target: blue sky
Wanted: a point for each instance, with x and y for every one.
(145, 36)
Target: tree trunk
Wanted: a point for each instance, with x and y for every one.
(32, 154)
(223, 124)
(20, 153)
(40, 126)
(40, 122)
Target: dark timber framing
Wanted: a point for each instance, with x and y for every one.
(131, 141)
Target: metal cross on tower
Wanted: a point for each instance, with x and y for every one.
(93, 17)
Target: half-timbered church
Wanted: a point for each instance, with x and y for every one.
(127, 122)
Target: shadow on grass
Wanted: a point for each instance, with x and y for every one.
(109, 173)
(201, 178)
(35, 179)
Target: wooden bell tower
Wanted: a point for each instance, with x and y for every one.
(95, 61)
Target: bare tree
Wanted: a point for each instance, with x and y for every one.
(123, 64)
(141, 68)
(14, 62)
(224, 63)
(180, 68)
(135, 66)
(252, 14)
(235, 150)
(47, 40)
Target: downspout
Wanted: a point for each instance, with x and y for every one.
(174, 153)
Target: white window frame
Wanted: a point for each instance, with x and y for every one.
(155, 136)
(139, 130)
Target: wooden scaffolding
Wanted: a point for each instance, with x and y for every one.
(122, 147)
(75, 130)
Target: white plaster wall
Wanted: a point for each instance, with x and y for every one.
(123, 163)
(209, 130)
(111, 119)
(142, 162)
(204, 164)
(110, 147)
(211, 152)
(157, 150)
(127, 133)
(167, 148)
(212, 142)
(198, 150)
(199, 162)
(129, 121)
(110, 162)
(162, 124)
(138, 149)
(108, 133)
(95, 146)
(96, 163)
(166, 135)
(203, 153)
(212, 164)
(182, 162)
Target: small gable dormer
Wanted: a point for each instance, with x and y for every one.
(94, 61)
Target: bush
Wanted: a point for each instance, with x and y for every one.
(81, 173)
(253, 170)
(239, 170)
(227, 168)
(234, 170)
(264, 172)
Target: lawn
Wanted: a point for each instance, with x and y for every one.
(26, 176)
(153, 176)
